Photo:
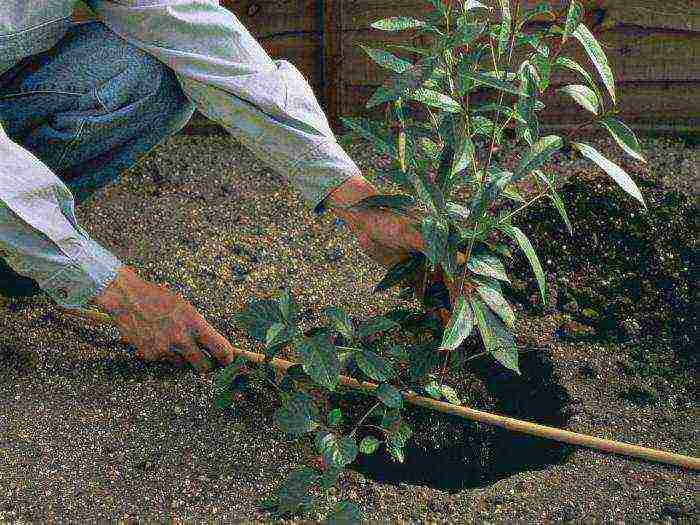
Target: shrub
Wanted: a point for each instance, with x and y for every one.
(464, 90)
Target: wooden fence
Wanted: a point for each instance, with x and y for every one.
(653, 46)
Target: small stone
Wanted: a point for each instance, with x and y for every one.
(334, 255)
(575, 330)
(590, 314)
(631, 327)
(571, 307)
(587, 372)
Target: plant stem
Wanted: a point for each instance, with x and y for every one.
(518, 210)
(362, 420)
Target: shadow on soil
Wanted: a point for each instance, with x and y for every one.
(451, 454)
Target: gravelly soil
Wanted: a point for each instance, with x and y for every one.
(88, 434)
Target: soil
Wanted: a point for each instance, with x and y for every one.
(89, 434)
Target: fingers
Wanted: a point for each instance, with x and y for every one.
(194, 356)
(215, 343)
(174, 358)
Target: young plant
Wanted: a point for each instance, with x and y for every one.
(475, 95)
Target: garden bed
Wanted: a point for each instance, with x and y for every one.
(88, 433)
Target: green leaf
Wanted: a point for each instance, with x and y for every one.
(373, 366)
(288, 306)
(297, 415)
(558, 203)
(482, 125)
(294, 495)
(526, 246)
(484, 263)
(444, 171)
(597, 56)
(329, 477)
(391, 421)
(583, 95)
(399, 435)
(483, 198)
(433, 390)
(435, 99)
(493, 82)
(616, 172)
(459, 327)
(396, 453)
(474, 4)
(376, 326)
(401, 272)
(278, 334)
(223, 399)
(410, 49)
(337, 452)
(539, 153)
(464, 156)
(369, 445)
(387, 60)
(572, 20)
(389, 395)
(497, 340)
(544, 70)
(465, 34)
(513, 194)
(399, 84)
(506, 21)
(320, 360)
(422, 359)
(457, 212)
(499, 108)
(391, 201)
(556, 199)
(624, 136)
(344, 513)
(225, 377)
(334, 418)
(450, 395)
(364, 128)
(539, 9)
(492, 295)
(435, 233)
(341, 322)
(258, 317)
(572, 65)
(398, 23)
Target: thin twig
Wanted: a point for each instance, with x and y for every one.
(362, 420)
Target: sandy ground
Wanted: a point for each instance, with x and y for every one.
(89, 434)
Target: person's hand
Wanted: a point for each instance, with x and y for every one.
(161, 325)
(385, 235)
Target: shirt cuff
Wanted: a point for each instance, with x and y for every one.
(322, 169)
(90, 270)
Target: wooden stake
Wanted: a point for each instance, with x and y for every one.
(516, 425)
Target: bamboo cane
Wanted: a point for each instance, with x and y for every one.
(515, 425)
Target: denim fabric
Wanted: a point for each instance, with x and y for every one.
(266, 104)
(89, 109)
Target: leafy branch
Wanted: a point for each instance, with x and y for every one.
(464, 203)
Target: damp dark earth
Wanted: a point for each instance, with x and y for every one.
(89, 434)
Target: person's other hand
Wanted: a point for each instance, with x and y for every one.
(160, 325)
(385, 235)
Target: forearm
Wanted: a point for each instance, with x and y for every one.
(39, 234)
(266, 104)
